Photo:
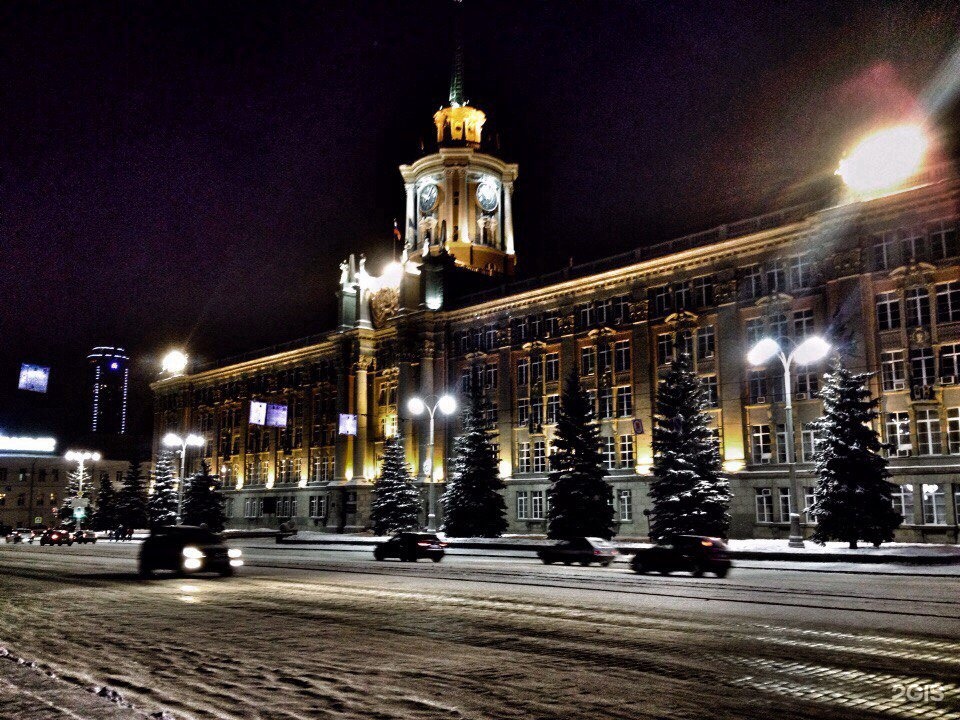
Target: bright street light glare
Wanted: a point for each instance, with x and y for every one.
(174, 362)
(195, 440)
(885, 159)
(415, 406)
(172, 440)
(810, 350)
(447, 404)
(763, 351)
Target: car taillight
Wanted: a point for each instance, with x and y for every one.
(597, 552)
(423, 544)
(706, 543)
(442, 544)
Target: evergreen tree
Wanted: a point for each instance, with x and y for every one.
(132, 498)
(396, 501)
(690, 494)
(580, 498)
(74, 485)
(203, 500)
(105, 515)
(473, 505)
(162, 505)
(852, 500)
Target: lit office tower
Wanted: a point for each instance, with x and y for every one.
(109, 375)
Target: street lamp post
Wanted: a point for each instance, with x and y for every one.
(182, 443)
(809, 351)
(80, 457)
(447, 405)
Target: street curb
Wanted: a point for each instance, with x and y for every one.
(901, 559)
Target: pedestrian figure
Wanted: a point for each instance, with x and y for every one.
(119, 533)
(130, 533)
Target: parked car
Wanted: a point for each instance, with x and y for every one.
(56, 536)
(692, 553)
(84, 536)
(584, 550)
(187, 549)
(19, 535)
(410, 547)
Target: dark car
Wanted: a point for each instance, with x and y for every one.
(187, 549)
(56, 536)
(695, 554)
(584, 550)
(84, 536)
(410, 547)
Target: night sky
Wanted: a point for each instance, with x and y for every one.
(192, 173)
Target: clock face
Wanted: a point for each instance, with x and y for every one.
(487, 196)
(429, 195)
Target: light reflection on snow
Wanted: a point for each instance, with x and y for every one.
(187, 591)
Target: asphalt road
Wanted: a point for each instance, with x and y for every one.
(301, 633)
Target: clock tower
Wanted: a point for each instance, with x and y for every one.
(460, 199)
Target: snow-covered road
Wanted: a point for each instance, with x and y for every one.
(307, 634)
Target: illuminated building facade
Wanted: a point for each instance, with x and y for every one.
(879, 278)
(109, 377)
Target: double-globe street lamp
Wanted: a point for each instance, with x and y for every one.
(80, 457)
(447, 405)
(172, 440)
(809, 351)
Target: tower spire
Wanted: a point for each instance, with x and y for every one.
(458, 124)
(457, 98)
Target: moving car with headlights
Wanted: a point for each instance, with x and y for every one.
(84, 536)
(410, 547)
(185, 549)
(583, 550)
(19, 535)
(56, 536)
(695, 554)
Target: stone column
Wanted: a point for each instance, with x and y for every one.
(508, 218)
(360, 393)
(463, 220)
(411, 219)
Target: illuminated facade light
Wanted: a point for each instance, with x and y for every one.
(174, 362)
(10, 443)
(885, 160)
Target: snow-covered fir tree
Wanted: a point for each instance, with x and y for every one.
(473, 505)
(132, 498)
(852, 499)
(396, 501)
(580, 498)
(203, 500)
(690, 493)
(77, 486)
(162, 504)
(104, 516)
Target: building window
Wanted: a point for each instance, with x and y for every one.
(928, 432)
(801, 272)
(779, 327)
(536, 369)
(536, 504)
(490, 376)
(808, 442)
(584, 315)
(536, 328)
(710, 392)
(898, 434)
(606, 402)
(523, 505)
(953, 431)
(950, 364)
(755, 331)
(912, 242)
(921, 367)
(809, 496)
(551, 324)
(661, 300)
(523, 411)
(807, 384)
(918, 307)
(536, 412)
(902, 498)
(888, 311)
(626, 451)
(621, 356)
(553, 409)
(624, 401)
(884, 247)
(664, 348)
(540, 456)
(609, 453)
(753, 281)
(760, 436)
(625, 502)
(588, 360)
(934, 505)
(948, 302)
(706, 342)
(943, 238)
(553, 367)
(757, 380)
(703, 291)
(523, 457)
(523, 371)
(682, 296)
(786, 504)
(764, 500)
(781, 443)
(802, 324)
(604, 356)
(776, 276)
(685, 343)
(892, 370)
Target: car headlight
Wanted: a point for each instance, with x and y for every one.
(192, 553)
(234, 552)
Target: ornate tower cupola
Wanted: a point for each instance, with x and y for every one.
(460, 200)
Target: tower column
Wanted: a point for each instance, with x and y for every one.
(508, 218)
(411, 220)
(464, 215)
(363, 419)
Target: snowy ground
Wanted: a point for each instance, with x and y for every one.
(307, 634)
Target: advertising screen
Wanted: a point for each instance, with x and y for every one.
(276, 415)
(34, 378)
(348, 424)
(258, 413)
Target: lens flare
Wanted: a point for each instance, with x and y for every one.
(885, 159)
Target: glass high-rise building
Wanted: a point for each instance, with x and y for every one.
(109, 379)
